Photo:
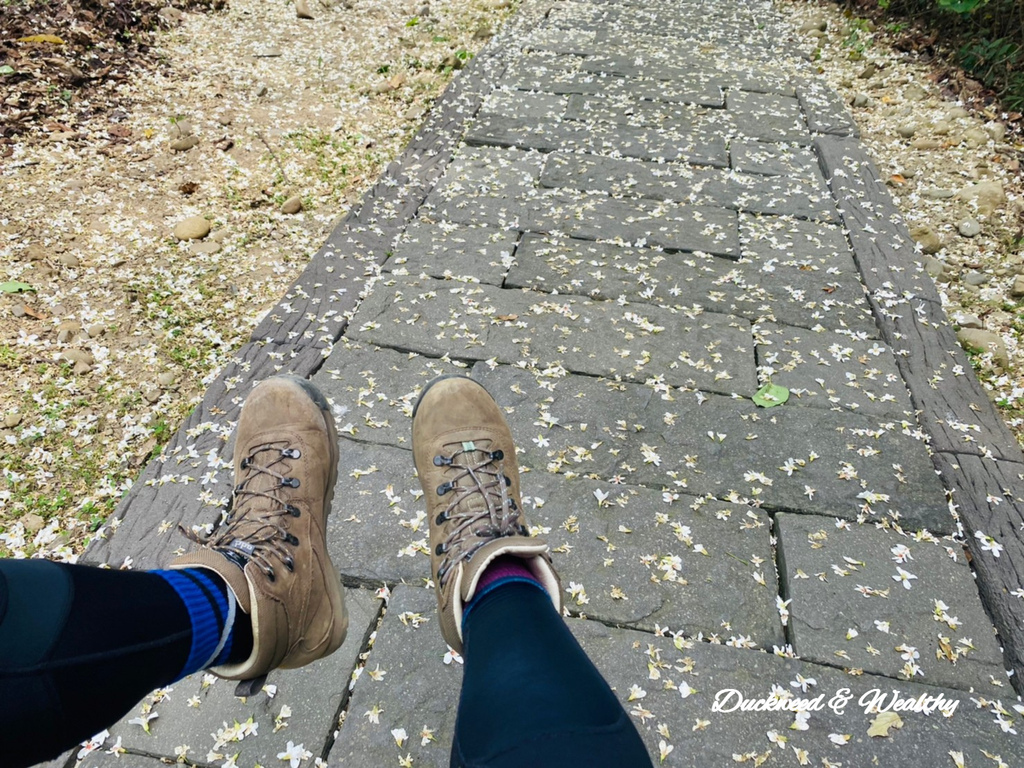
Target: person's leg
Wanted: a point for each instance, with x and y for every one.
(530, 695)
(79, 646)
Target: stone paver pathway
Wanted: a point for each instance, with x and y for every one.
(624, 219)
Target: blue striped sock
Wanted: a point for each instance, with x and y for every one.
(211, 608)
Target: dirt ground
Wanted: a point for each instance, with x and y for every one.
(241, 119)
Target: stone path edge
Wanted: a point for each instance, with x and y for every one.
(292, 337)
(910, 317)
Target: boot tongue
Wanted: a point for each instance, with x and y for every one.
(476, 454)
(267, 457)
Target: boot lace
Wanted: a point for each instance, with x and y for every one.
(475, 473)
(253, 526)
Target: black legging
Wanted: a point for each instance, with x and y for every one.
(531, 696)
(79, 647)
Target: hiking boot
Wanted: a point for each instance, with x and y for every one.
(467, 465)
(272, 547)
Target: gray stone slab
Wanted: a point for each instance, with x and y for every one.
(631, 111)
(601, 338)
(378, 532)
(196, 708)
(373, 390)
(665, 65)
(693, 282)
(826, 369)
(620, 544)
(103, 758)
(67, 760)
(777, 242)
(839, 580)
(561, 41)
(617, 541)
(647, 673)
(826, 112)
(562, 75)
(488, 170)
(662, 224)
(536, 106)
(480, 254)
(611, 138)
(806, 197)
(774, 159)
(788, 458)
(768, 117)
(417, 691)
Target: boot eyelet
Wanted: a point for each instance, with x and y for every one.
(498, 455)
(442, 518)
(443, 488)
(291, 453)
(292, 540)
(290, 482)
(271, 576)
(290, 565)
(508, 481)
(245, 463)
(292, 510)
(442, 461)
(440, 549)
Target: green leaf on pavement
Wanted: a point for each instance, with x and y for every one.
(15, 287)
(6, 69)
(771, 395)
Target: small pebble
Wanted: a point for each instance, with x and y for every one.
(192, 228)
(19, 310)
(184, 144)
(969, 227)
(77, 356)
(925, 142)
(33, 523)
(966, 320)
(292, 205)
(11, 420)
(977, 278)
(907, 130)
(975, 137)
(166, 379)
(69, 260)
(861, 100)
(66, 331)
(937, 193)
(1017, 289)
(206, 248)
(997, 131)
(180, 129)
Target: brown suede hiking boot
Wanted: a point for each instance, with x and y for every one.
(272, 548)
(466, 462)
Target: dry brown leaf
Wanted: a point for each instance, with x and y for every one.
(41, 39)
(883, 722)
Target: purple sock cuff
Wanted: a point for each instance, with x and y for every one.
(505, 567)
